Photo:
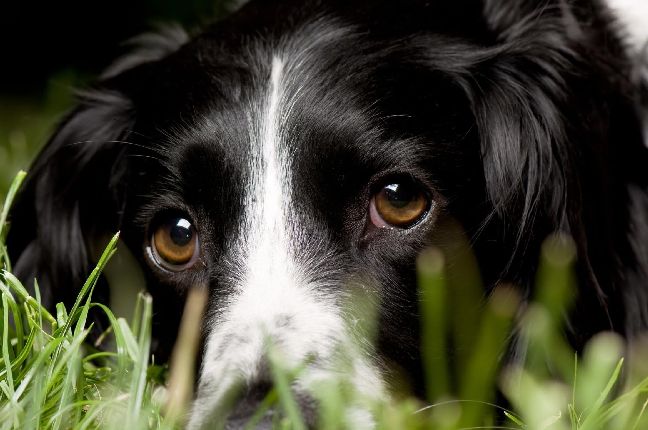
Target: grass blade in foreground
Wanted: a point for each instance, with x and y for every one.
(50, 378)
(181, 375)
(15, 185)
(433, 302)
(47, 378)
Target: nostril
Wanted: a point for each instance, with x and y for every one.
(257, 392)
(248, 405)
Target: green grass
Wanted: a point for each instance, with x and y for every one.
(51, 377)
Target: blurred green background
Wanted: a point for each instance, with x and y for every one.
(49, 48)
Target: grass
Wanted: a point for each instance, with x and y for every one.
(52, 377)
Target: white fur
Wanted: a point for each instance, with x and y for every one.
(632, 20)
(274, 300)
(633, 17)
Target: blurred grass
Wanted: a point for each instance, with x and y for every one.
(50, 378)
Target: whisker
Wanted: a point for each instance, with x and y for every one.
(144, 156)
(122, 142)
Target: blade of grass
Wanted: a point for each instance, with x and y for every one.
(281, 380)
(16, 286)
(11, 194)
(478, 380)
(5, 346)
(17, 319)
(90, 282)
(183, 358)
(138, 385)
(433, 305)
(555, 289)
(21, 357)
(121, 344)
(268, 401)
(71, 380)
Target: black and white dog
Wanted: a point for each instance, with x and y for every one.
(297, 154)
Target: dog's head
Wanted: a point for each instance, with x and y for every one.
(296, 159)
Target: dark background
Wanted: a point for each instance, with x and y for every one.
(41, 38)
(50, 47)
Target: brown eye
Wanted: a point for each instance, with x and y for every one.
(175, 243)
(400, 204)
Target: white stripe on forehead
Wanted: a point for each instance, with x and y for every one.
(269, 259)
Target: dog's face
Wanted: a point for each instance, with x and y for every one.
(295, 160)
(300, 179)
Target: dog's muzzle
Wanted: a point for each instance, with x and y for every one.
(293, 333)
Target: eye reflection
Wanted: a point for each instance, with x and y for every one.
(398, 204)
(174, 243)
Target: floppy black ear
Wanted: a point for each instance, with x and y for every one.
(148, 47)
(72, 194)
(559, 138)
(521, 95)
(510, 19)
(542, 101)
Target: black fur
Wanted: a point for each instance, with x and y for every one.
(522, 119)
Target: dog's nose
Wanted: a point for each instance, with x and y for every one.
(248, 406)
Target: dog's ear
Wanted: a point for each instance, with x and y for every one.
(522, 91)
(510, 21)
(72, 194)
(148, 47)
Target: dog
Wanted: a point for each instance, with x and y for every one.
(295, 155)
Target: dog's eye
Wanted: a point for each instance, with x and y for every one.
(398, 204)
(175, 243)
